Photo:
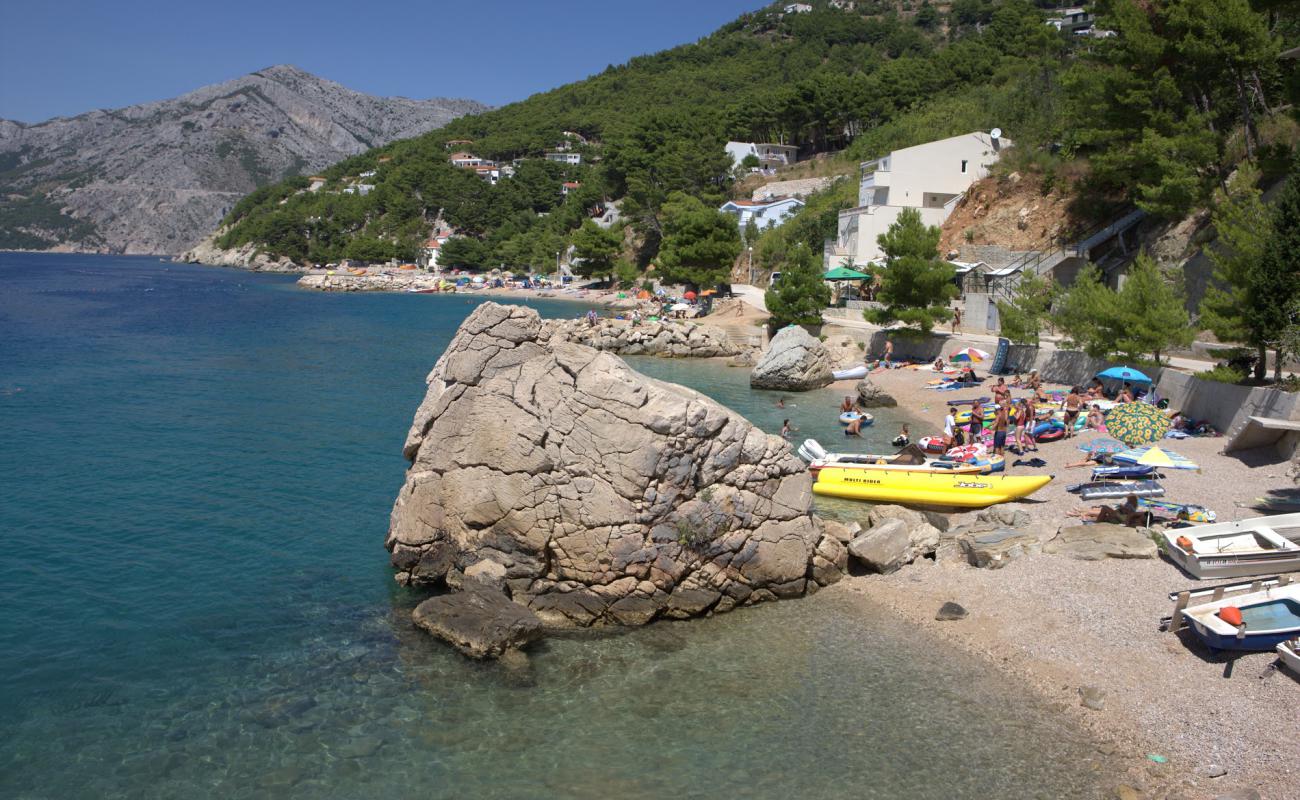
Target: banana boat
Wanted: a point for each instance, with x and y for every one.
(926, 488)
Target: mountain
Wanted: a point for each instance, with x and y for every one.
(156, 177)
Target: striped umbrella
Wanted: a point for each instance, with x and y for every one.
(969, 354)
(1155, 457)
(1136, 423)
(1103, 445)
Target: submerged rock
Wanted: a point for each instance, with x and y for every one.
(794, 362)
(599, 495)
(479, 620)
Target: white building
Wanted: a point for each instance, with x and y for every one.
(798, 8)
(930, 178)
(565, 157)
(432, 248)
(466, 160)
(764, 213)
(768, 155)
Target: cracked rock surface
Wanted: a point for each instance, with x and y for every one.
(600, 496)
(794, 362)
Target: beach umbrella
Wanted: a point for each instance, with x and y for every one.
(1154, 456)
(1136, 423)
(844, 274)
(689, 295)
(1124, 374)
(1103, 446)
(969, 354)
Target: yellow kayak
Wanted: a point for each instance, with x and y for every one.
(926, 488)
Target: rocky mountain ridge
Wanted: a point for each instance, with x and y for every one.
(157, 177)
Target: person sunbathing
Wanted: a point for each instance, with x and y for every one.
(1126, 513)
(1096, 420)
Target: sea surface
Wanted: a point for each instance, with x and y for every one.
(196, 471)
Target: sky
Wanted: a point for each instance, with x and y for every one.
(67, 57)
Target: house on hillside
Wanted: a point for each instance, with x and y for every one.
(458, 144)
(768, 155)
(362, 189)
(429, 253)
(1072, 20)
(569, 186)
(466, 160)
(929, 177)
(564, 157)
(798, 8)
(764, 213)
(488, 172)
(316, 182)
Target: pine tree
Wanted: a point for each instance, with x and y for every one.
(1087, 312)
(1244, 229)
(595, 249)
(1149, 314)
(699, 243)
(800, 295)
(1022, 317)
(1275, 280)
(916, 284)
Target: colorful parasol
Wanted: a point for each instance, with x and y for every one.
(969, 354)
(1136, 423)
(1155, 457)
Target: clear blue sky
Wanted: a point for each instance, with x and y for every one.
(65, 57)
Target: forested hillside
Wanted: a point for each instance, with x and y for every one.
(1158, 113)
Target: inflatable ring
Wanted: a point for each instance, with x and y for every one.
(932, 444)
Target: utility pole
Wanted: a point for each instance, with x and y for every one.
(751, 265)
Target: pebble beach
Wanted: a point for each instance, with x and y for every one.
(1076, 630)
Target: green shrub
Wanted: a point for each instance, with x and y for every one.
(1223, 374)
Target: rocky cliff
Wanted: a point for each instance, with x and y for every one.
(157, 177)
(586, 493)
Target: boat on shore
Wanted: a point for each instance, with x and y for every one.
(914, 487)
(910, 458)
(852, 373)
(1259, 620)
(1289, 654)
(1238, 549)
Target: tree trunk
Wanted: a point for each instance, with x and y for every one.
(1252, 136)
(1261, 364)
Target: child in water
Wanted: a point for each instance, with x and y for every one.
(902, 439)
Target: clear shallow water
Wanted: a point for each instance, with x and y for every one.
(197, 470)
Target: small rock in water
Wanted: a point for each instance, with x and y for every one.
(1213, 771)
(950, 611)
(361, 747)
(1094, 698)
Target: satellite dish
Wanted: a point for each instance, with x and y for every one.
(996, 133)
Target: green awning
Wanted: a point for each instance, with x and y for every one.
(844, 274)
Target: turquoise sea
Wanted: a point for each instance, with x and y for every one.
(196, 470)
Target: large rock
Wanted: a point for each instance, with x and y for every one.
(993, 537)
(1103, 540)
(480, 621)
(897, 536)
(667, 338)
(602, 496)
(871, 396)
(794, 362)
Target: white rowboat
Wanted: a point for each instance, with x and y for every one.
(1257, 546)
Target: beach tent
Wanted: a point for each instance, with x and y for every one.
(1124, 374)
(845, 274)
(1137, 423)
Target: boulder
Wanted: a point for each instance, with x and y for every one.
(479, 620)
(600, 496)
(884, 547)
(871, 396)
(1103, 540)
(794, 362)
(996, 548)
(951, 611)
